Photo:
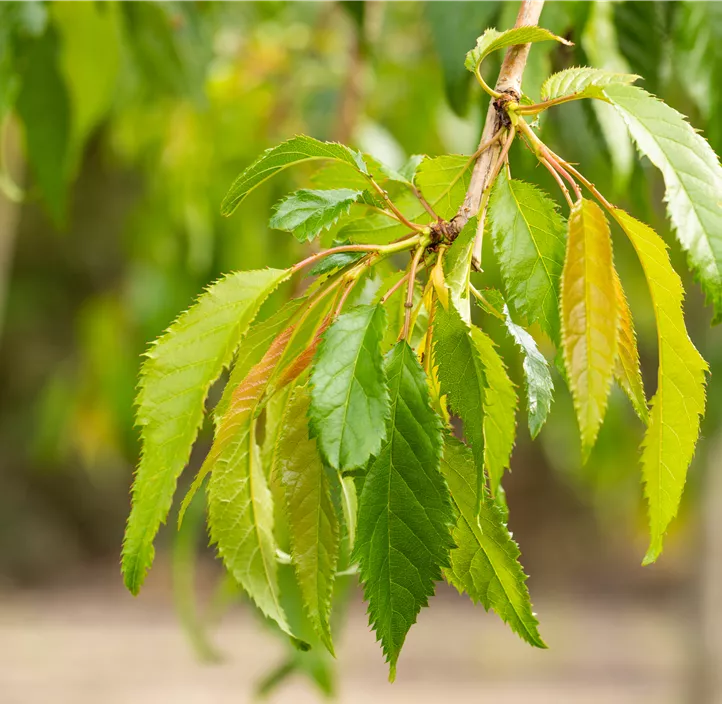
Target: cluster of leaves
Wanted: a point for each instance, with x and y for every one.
(335, 428)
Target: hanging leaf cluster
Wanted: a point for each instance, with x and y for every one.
(372, 417)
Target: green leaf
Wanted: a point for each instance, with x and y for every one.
(452, 31)
(492, 40)
(240, 504)
(679, 403)
(349, 398)
(174, 381)
(457, 268)
(444, 180)
(307, 213)
(294, 151)
(692, 178)
(335, 261)
(43, 105)
(537, 375)
(462, 379)
(485, 561)
(627, 370)
(312, 519)
(528, 235)
(500, 404)
(589, 317)
(582, 82)
(403, 535)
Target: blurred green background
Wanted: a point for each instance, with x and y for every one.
(123, 125)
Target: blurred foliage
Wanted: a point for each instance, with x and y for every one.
(135, 117)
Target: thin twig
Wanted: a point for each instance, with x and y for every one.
(563, 172)
(558, 179)
(349, 287)
(399, 215)
(394, 288)
(427, 206)
(398, 246)
(410, 291)
(585, 181)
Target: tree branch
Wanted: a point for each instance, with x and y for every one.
(509, 82)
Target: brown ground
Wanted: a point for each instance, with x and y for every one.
(99, 646)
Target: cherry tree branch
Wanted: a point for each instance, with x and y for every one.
(509, 82)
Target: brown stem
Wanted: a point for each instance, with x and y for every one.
(509, 82)
(564, 173)
(426, 204)
(349, 287)
(399, 215)
(394, 288)
(558, 179)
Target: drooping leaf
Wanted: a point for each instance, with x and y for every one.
(293, 151)
(174, 381)
(537, 376)
(528, 235)
(306, 213)
(492, 40)
(312, 519)
(692, 178)
(500, 405)
(679, 403)
(589, 317)
(452, 32)
(403, 535)
(462, 379)
(240, 504)
(485, 561)
(43, 93)
(582, 82)
(627, 370)
(349, 398)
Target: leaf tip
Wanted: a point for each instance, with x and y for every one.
(653, 552)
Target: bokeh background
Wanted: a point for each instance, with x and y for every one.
(123, 124)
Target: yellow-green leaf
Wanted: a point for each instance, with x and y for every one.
(679, 403)
(626, 369)
(312, 520)
(589, 317)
